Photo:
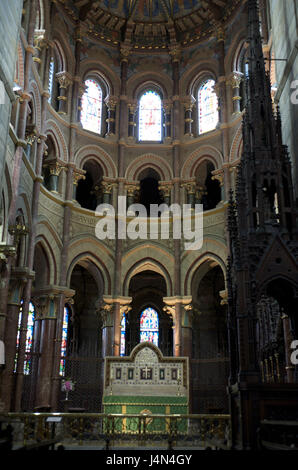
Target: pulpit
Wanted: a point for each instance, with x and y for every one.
(146, 382)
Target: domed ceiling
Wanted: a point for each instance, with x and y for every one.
(150, 24)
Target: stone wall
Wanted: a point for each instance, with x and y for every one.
(284, 23)
(10, 18)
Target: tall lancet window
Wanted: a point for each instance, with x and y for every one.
(149, 326)
(123, 329)
(91, 113)
(64, 340)
(150, 122)
(208, 107)
(51, 78)
(29, 338)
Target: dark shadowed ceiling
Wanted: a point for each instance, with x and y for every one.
(151, 23)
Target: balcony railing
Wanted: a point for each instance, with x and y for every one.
(108, 431)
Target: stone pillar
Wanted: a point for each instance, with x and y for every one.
(174, 306)
(107, 188)
(234, 80)
(55, 170)
(77, 176)
(81, 92)
(111, 312)
(188, 102)
(167, 107)
(165, 188)
(111, 102)
(132, 109)
(62, 295)
(218, 175)
(64, 79)
(39, 43)
(45, 306)
(132, 190)
(190, 188)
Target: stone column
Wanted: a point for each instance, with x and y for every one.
(77, 176)
(132, 190)
(107, 188)
(55, 170)
(234, 80)
(111, 102)
(188, 102)
(39, 43)
(218, 175)
(167, 108)
(46, 318)
(81, 92)
(132, 109)
(190, 188)
(64, 79)
(165, 188)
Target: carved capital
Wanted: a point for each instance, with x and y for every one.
(188, 102)
(111, 102)
(235, 79)
(64, 79)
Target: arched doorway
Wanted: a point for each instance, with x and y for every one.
(83, 360)
(147, 320)
(209, 363)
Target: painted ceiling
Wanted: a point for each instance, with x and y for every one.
(150, 23)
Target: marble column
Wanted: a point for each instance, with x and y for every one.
(132, 191)
(165, 188)
(190, 188)
(188, 103)
(45, 322)
(218, 175)
(111, 102)
(64, 79)
(234, 80)
(77, 176)
(167, 109)
(132, 109)
(55, 170)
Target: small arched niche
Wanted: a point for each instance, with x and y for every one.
(89, 190)
(149, 188)
(208, 188)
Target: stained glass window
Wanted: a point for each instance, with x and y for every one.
(91, 112)
(51, 79)
(149, 329)
(64, 341)
(29, 338)
(150, 116)
(208, 107)
(123, 328)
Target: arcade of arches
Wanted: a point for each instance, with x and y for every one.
(150, 107)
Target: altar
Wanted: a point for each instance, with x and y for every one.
(146, 383)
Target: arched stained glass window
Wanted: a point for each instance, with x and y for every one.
(122, 342)
(64, 340)
(149, 326)
(29, 338)
(208, 107)
(150, 116)
(91, 112)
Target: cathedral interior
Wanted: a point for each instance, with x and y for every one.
(173, 102)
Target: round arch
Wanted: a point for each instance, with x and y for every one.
(148, 161)
(147, 264)
(195, 158)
